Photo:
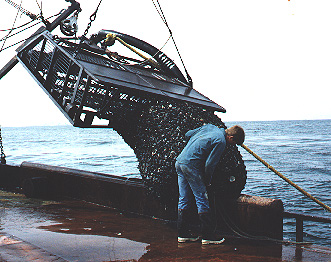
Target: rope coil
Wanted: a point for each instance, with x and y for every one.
(286, 179)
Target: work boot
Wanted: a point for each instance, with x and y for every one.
(184, 233)
(208, 230)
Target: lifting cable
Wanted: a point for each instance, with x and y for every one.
(21, 9)
(18, 10)
(8, 36)
(4, 38)
(160, 12)
(17, 43)
(15, 28)
(2, 156)
(286, 179)
(45, 21)
(32, 16)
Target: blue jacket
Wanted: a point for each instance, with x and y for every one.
(204, 148)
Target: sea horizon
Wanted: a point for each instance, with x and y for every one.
(230, 121)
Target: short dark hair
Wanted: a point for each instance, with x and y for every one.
(238, 134)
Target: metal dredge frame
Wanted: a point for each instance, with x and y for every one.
(84, 84)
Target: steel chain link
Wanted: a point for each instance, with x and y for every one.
(92, 18)
(3, 156)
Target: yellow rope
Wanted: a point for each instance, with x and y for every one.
(286, 179)
(111, 37)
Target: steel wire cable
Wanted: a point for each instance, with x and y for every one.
(160, 12)
(40, 6)
(21, 9)
(18, 42)
(15, 28)
(3, 39)
(6, 37)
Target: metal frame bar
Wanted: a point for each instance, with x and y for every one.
(65, 84)
(77, 120)
(79, 77)
(299, 218)
(46, 91)
(54, 57)
(40, 57)
(86, 89)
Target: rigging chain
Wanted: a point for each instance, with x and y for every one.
(92, 18)
(3, 156)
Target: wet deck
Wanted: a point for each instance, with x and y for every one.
(36, 230)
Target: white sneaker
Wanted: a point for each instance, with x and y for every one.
(188, 239)
(212, 241)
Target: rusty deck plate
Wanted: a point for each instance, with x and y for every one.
(33, 229)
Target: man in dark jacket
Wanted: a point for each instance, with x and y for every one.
(198, 161)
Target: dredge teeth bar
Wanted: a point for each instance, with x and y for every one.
(84, 85)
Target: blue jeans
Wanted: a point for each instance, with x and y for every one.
(190, 181)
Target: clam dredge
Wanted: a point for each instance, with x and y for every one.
(148, 101)
(151, 104)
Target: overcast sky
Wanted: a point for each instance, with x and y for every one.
(259, 59)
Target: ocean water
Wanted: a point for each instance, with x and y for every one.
(98, 150)
(300, 150)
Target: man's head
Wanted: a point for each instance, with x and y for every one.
(235, 135)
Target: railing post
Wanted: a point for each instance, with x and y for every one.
(299, 229)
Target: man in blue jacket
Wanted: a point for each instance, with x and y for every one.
(195, 163)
